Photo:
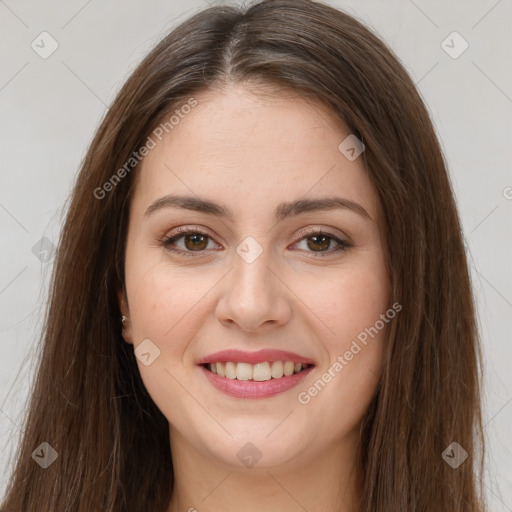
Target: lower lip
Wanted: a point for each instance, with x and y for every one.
(254, 389)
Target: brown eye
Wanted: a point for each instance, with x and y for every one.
(196, 241)
(320, 242)
(192, 241)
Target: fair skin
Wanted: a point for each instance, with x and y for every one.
(251, 153)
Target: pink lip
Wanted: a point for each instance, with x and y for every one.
(239, 356)
(254, 389)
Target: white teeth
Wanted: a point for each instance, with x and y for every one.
(277, 369)
(288, 368)
(231, 370)
(244, 371)
(261, 372)
(258, 372)
(221, 369)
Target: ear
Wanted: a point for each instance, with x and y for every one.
(126, 324)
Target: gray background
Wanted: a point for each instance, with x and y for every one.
(50, 108)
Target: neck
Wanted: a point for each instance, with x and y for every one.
(327, 482)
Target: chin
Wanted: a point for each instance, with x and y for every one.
(259, 449)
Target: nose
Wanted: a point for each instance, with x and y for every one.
(254, 296)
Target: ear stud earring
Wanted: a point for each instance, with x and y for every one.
(123, 318)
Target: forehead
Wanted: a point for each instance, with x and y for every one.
(252, 149)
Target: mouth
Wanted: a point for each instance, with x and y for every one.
(259, 372)
(255, 374)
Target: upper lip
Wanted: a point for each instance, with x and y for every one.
(240, 356)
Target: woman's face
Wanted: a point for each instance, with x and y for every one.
(255, 276)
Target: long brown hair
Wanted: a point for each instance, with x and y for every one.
(88, 400)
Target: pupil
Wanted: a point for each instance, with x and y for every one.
(197, 238)
(324, 245)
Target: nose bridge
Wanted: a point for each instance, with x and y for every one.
(253, 296)
(252, 277)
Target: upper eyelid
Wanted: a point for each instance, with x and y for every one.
(301, 232)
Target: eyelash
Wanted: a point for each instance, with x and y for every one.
(182, 232)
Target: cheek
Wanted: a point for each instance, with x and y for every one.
(165, 301)
(348, 300)
(364, 299)
(165, 307)
(350, 309)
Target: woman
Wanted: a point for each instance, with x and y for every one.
(198, 353)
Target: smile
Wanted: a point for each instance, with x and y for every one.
(259, 372)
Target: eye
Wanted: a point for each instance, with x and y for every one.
(319, 242)
(196, 241)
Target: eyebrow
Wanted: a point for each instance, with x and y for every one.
(283, 210)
